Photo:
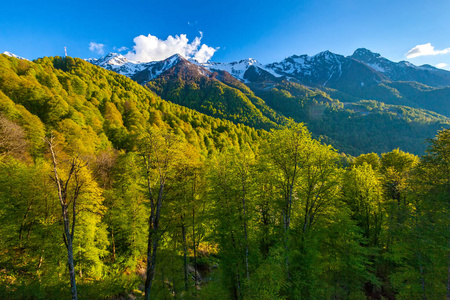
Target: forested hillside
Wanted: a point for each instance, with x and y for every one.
(317, 91)
(353, 127)
(108, 191)
(194, 87)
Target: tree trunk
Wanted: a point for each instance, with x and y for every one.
(113, 245)
(422, 278)
(153, 246)
(73, 284)
(151, 270)
(41, 258)
(448, 273)
(22, 226)
(149, 273)
(195, 249)
(238, 283)
(245, 233)
(62, 195)
(287, 222)
(183, 231)
(69, 244)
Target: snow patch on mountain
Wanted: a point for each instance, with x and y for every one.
(13, 55)
(323, 69)
(377, 67)
(118, 63)
(159, 67)
(238, 68)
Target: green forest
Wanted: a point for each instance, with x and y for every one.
(108, 191)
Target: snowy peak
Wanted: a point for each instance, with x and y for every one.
(364, 54)
(403, 70)
(318, 69)
(120, 64)
(174, 66)
(114, 59)
(329, 70)
(405, 63)
(13, 55)
(325, 69)
(246, 62)
(326, 56)
(375, 61)
(427, 66)
(239, 69)
(174, 59)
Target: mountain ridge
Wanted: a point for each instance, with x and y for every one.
(317, 70)
(266, 103)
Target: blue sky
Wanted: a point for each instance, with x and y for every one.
(266, 30)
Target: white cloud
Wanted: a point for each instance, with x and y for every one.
(150, 48)
(122, 49)
(441, 65)
(97, 48)
(204, 54)
(425, 49)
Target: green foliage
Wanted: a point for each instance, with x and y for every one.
(371, 159)
(127, 210)
(362, 191)
(215, 98)
(34, 244)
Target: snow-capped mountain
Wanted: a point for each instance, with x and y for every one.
(119, 64)
(239, 68)
(13, 55)
(305, 66)
(403, 70)
(140, 72)
(325, 69)
(174, 65)
(374, 60)
(329, 70)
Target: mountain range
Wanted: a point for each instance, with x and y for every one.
(363, 75)
(359, 103)
(324, 69)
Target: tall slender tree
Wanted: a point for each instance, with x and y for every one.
(68, 201)
(160, 151)
(285, 150)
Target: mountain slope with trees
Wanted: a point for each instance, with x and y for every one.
(354, 127)
(192, 86)
(107, 191)
(254, 95)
